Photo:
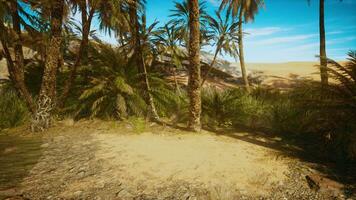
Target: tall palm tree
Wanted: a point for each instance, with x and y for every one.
(180, 19)
(10, 12)
(194, 84)
(167, 41)
(134, 7)
(245, 10)
(225, 35)
(88, 9)
(323, 58)
(47, 98)
(322, 50)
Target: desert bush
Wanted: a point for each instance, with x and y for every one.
(231, 107)
(13, 111)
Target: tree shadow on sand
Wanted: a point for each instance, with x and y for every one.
(18, 155)
(306, 150)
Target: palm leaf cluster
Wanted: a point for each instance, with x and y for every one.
(180, 20)
(113, 88)
(233, 107)
(248, 7)
(346, 77)
(224, 33)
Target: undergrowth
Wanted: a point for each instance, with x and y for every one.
(13, 111)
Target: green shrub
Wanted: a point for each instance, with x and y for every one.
(13, 111)
(232, 107)
(138, 124)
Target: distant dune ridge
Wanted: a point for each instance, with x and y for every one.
(274, 74)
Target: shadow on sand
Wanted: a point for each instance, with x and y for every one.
(307, 150)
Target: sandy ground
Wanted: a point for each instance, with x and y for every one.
(197, 159)
(129, 160)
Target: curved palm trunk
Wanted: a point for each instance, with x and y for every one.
(176, 80)
(140, 62)
(19, 57)
(16, 78)
(194, 83)
(210, 66)
(241, 52)
(82, 56)
(323, 60)
(17, 68)
(47, 97)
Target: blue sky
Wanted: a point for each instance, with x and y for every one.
(285, 30)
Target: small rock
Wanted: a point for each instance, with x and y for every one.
(78, 193)
(100, 184)
(124, 194)
(45, 145)
(81, 174)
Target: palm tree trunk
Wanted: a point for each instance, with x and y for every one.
(175, 80)
(323, 60)
(17, 74)
(140, 62)
(194, 83)
(16, 79)
(241, 52)
(211, 65)
(82, 56)
(47, 97)
(19, 57)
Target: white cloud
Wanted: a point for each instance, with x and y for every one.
(253, 32)
(341, 40)
(283, 40)
(215, 3)
(334, 32)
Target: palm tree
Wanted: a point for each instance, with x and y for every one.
(180, 19)
(167, 41)
(82, 54)
(323, 57)
(11, 10)
(88, 9)
(225, 37)
(47, 98)
(134, 7)
(114, 87)
(246, 10)
(194, 83)
(112, 90)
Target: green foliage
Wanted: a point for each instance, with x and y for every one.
(180, 20)
(231, 107)
(114, 85)
(111, 91)
(216, 107)
(224, 33)
(138, 124)
(13, 111)
(324, 116)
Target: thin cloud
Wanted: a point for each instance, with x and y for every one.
(284, 40)
(215, 3)
(334, 32)
(341, 40)
(254, 32)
